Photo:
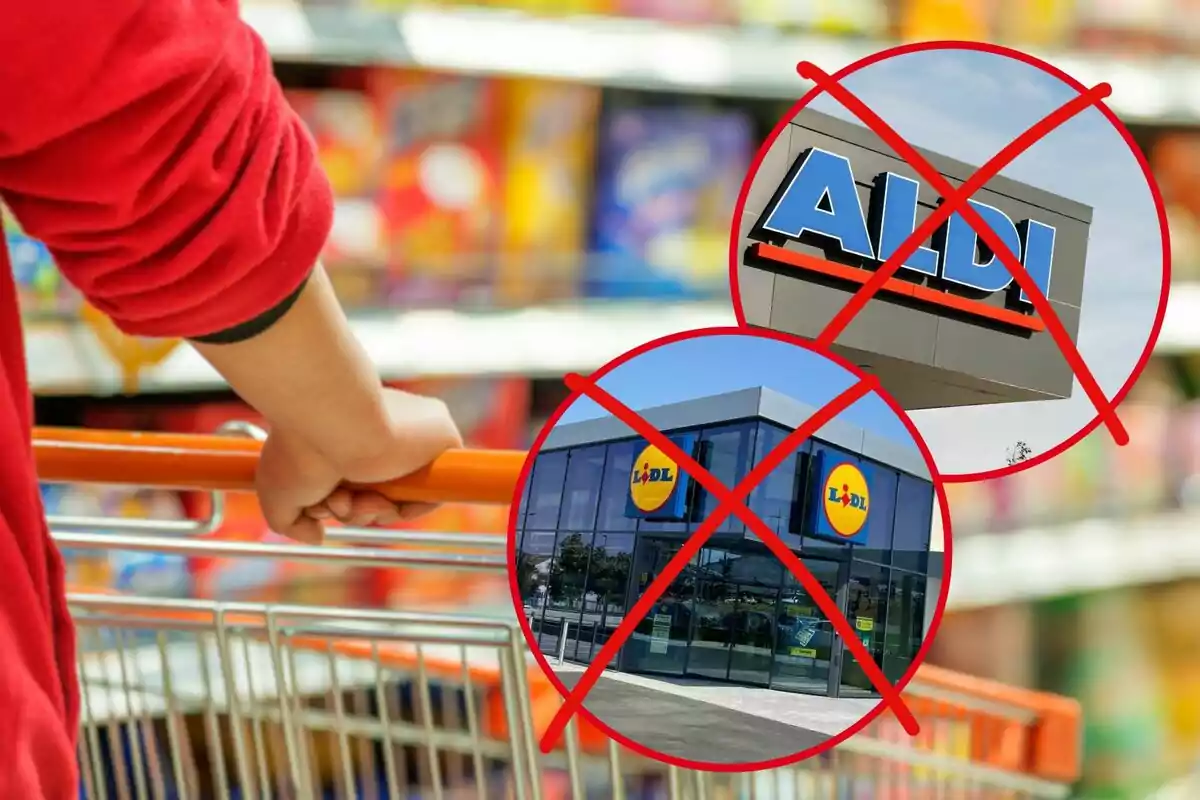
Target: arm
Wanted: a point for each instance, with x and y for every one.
(149, 146)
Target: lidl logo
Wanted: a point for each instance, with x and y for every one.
(846, 500)
(653, 480)
(657, 489)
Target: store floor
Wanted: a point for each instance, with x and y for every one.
(714, 723)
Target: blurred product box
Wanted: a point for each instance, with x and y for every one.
(1095, 648)
(1132, 27)
(441, 186)
(1175, 160)
(348, 132)
(699, 11)
(667, 186)
(922, 20)
(549, 161)
(830, 17)
(553, 7)
(348, 135)
(1035, 23)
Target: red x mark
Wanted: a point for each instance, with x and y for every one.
(731, 502)
(953, 201)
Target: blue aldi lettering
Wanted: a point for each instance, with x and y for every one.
(856, 500)
(822, 200)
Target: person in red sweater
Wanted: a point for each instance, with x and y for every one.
(148, 144)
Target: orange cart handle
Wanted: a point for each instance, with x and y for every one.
(227, 463)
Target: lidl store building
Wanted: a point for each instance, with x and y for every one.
(603, 513)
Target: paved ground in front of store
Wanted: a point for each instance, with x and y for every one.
(715, 723)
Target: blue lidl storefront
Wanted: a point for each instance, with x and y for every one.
(603, 513)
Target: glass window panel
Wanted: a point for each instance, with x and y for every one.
(914, 517)
(566, 587)
(804, 638)
(660, 642)
(905, 624)
(880, 516)
(778, 500)
(605, 598)
(614, 491)
(533, 567)
(581, 491)
(545, 493)
(726, 454)
(866, 610)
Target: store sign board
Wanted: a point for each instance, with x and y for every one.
(820, 202)
(658, 489)
(841, 502)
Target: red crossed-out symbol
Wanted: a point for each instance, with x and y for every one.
(956, 201)
(730, 502)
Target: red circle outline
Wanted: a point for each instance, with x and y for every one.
(994, 49)
(781, 761)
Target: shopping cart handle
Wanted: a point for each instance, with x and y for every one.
(227, 463)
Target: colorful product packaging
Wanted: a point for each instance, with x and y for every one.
(1141, 27)
(549, 151)
(668, 184)
(921, 20)
(346, 127)
(348, 132)
(1035, 23)
(699, 11)
(831, 17)
(1175, 159)
(441, 185)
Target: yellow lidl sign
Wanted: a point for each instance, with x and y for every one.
(657, 489)
(845, 501)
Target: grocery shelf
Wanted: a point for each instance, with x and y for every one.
(1181, 324)
(1000, 568)
(645, 54)
(66, 358)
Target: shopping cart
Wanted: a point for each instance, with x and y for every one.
(201, 697)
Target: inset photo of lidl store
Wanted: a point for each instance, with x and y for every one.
(603, 513)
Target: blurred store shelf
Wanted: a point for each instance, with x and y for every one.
(1091, 556)
(650, 55)
(68, 359)
(1181, 325)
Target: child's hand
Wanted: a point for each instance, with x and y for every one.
(299, 489)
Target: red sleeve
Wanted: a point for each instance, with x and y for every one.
(147, 143)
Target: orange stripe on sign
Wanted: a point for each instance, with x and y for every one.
(894, 286)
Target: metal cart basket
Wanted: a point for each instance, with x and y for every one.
(199, 697)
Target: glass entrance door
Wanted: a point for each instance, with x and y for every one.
(753, 630)
(660, 641)
(805, 641)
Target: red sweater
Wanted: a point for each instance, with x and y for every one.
(147, 143)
